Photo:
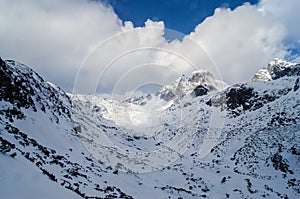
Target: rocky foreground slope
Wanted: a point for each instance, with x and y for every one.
(196, 138)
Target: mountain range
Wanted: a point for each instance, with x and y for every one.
(195, 138)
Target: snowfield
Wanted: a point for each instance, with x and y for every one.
(195, 138)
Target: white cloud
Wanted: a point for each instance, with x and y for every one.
(285, 12)
(55, 37)
(240, 41)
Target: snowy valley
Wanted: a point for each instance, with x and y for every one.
(195, 138)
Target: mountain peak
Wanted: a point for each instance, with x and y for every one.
(186, 84)
(275, 70)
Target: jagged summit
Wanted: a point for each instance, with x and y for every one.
(276, 69)
(197, 83)
(186, 85)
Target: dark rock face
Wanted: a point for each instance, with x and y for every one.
(239, 96)
(279, 163)
(279, 72)
(281, 119)
(14, 89)
(247, 98)
(167, 96)
(297, 84)
(295, 150)
(200, 90)
(24, 88)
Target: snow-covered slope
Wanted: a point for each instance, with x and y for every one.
(37, 127)
(196, 138)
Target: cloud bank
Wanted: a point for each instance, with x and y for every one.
(55, 36)
(61, 38)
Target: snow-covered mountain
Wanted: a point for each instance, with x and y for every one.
(195, 138)
(199, 83)
(276, 69)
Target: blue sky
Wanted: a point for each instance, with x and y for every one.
(179, 15)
